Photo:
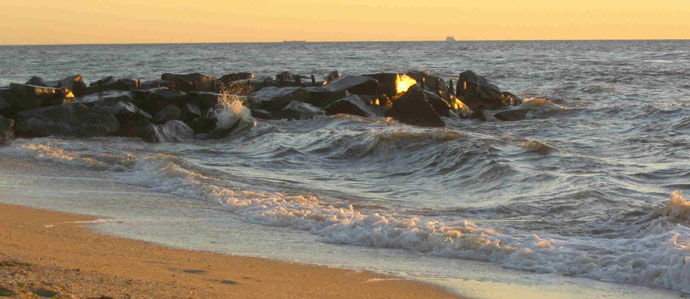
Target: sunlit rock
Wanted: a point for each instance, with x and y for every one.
(433, 83)
(414, 108)
(393, 84)
(26, 97)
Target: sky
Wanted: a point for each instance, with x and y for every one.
(182, 21)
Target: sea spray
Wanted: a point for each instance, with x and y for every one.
(230, 111)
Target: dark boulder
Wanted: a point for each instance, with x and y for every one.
(440, 105)
(337, 89)
(73, 119)
(431, 82)
(285, 79)
(110, 83)
(190, 82)
(153, 84)
(204, 100)
(477, 93)
(37, 81)
(512, 115)
(122, 109)
(296, 110)
(171, 131)
(414, 108)
(190, 112)
(276, 98)
(204, 123)
(159, 98)
(354, 105)
(170, 112)
(236, 77)
(6, 129)
(27, 97)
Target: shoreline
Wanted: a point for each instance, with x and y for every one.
(57, 252)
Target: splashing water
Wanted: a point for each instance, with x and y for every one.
(230, 111)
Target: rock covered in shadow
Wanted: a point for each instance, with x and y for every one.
(510, 99)
(296, 110)
(190, 111)
(171, 131)
(36, 81)
(26, 97)
(6, 129)
(276, 98)
(110, 83)
(354, 105)
(170, 112)
(236, 77)
(414, 108)
(431, 82)
(4, 104)
(512, 115)
(477, 93)
(202, 99)
(156, 99)
(332, 76)
(73, 119)
(337, 89)
(440, 105)
(122, 109)
(190, 82)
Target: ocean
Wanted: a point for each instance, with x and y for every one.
(586, 193)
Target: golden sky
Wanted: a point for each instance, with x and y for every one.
(142, 21)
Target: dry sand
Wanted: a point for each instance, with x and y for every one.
(53, 254)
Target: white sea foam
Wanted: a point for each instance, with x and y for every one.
(656, 254)
(231, 112)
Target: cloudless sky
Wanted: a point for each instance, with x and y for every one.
(166, 21)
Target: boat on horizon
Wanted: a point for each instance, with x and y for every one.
(450, 38)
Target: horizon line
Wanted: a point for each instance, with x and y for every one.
(353, 41)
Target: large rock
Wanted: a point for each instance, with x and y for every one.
(190, 112)
(296, 110)
(27, 97)
(190, 82)
(110, 83)
(337, 89)
(170, 112)
(204, 100)
(414, 108)
(6, 129)
(276, 98)
(236, 77)
(171, 131)
(510, 99)
(73, 119)
(37, 81)
(440, 105)
(159, 98)
(333, 75)
(123, 110)
(354, 105)
(246, 87)
(477, 93)
(456, 105)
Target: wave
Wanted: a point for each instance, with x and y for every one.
(657, 254)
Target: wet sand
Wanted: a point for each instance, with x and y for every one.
(56, 252)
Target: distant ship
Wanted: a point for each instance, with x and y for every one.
(294, 41)
(450, 39)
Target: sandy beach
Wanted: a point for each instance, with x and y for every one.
(48, 252)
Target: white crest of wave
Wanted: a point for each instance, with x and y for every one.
(655, 258)
(231, 112)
